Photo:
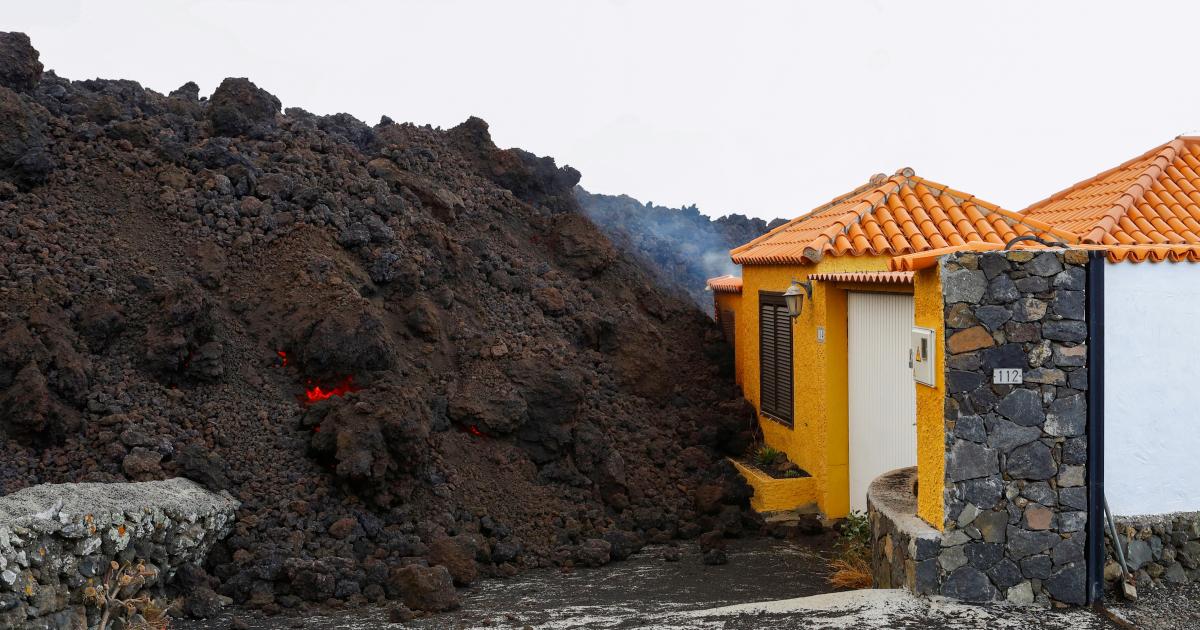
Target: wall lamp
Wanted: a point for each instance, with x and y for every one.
(794, 296)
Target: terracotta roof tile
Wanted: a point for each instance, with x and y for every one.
(884, 277)
(896, 215)
(1153, 199)
(725, 284)
(923, 260)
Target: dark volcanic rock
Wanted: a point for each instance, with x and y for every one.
(1068, 584)
(594, 552)
(1031, 461)
(376, 337)
(1023, 407)
(429, 589)
(623, 544)
(24, 156)
(202, 603)
(202, 466)
(968, 584)
(457, 554)
(142, 464)
(19, 65)
(968, 460)
(240, 108)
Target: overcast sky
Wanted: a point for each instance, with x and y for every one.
(765, 108)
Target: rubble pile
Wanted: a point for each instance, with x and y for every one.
(406, 352)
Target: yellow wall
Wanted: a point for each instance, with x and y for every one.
(818, 441)
(731, 302)
(775, 495)
(931, 444)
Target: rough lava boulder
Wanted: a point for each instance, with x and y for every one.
(20, 69)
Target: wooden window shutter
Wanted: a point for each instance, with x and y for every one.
(775, 357)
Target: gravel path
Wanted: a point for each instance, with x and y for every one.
(1161, 608)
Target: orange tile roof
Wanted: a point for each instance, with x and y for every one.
(929, 258)
(725, 284)
(1153, 199)
(883, 277)
(895, 215)
(1153, 253)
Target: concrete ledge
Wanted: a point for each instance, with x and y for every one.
(777, 495)
(904, 548)
(57, 539)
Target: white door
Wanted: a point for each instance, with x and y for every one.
(883, 400)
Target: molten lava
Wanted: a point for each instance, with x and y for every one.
(316, 393)
(282, 358)
(474, 430)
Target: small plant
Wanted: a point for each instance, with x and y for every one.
(767, 456)
(852, 567)
(117, 597)
(856, 531)
(792, 474)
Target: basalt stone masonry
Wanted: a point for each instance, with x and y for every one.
(904, 548)
(1015, 494)
(56, 539)
(1158, 549)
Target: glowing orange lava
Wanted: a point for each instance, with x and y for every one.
(282, 358)
(474, 430)
(316, 393)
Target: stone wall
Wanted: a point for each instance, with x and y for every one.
(1015, 489)
(1158, 549)
(904, 548)
(56, 539)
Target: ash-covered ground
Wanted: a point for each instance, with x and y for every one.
(184, 280)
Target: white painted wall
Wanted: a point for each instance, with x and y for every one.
(1152, 387)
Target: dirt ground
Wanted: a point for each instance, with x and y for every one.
(619, 595)
(767, 584)
(1162, 608)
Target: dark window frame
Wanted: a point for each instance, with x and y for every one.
(776, 359)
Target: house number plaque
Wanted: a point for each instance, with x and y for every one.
(1008, 376)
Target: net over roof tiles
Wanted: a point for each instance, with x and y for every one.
(1153, 199)
(892, 216)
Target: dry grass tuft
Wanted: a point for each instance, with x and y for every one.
(157, 617)
(853, 573)
(852, 568)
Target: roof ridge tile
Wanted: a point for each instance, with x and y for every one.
(896, 215)
(1143, 183)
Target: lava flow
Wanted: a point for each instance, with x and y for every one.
(316, 393)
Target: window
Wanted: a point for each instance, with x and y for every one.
(774, 357)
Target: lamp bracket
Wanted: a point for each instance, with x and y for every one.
(807, 284)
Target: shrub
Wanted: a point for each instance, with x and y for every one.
(852, 567)
(120, 596)
(767, 456)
